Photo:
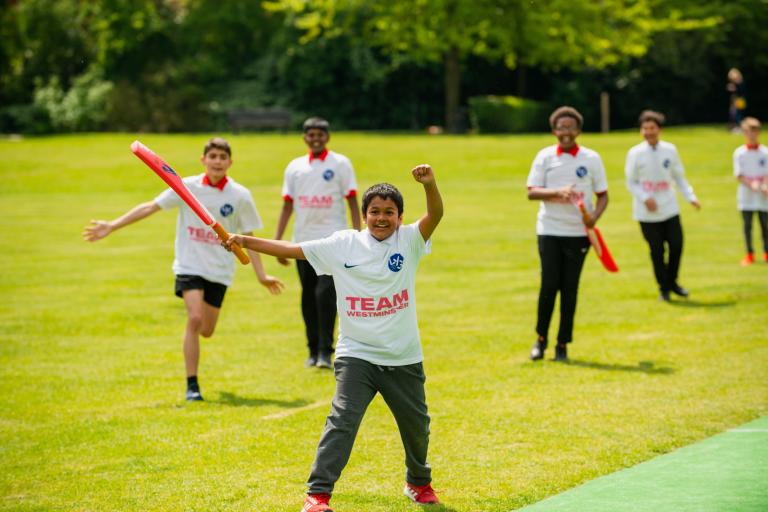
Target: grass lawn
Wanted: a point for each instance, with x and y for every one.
(92, 415)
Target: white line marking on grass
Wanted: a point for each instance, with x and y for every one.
(291, 412)
(743, 430)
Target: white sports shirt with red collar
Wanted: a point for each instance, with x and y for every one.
(375, 292)
(752, 163)
(198, 251)
(650, 172)
(554, 167)
(318, 186)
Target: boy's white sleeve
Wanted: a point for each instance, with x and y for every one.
(324, 254)
(415, 240)
(633, 183)
(736, 163)
(167, 199)
(249, 219)
(599, 179)
(678, 174)
(288, 192)
(348, 181)
(536, 176)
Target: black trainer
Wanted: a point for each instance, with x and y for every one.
(310, 362)
(664, 296)
(679, 290)
(324, 361)
(193, 395)
(537, 351)
(561, 352)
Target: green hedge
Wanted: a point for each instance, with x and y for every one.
(505, 114)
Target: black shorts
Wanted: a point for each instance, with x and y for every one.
(213, 293)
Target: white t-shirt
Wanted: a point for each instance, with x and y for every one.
(650, 172)
(197, 247)
(375, 292)
(753, 164)
(317, 187)
(554, 168)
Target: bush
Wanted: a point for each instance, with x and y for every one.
(82, 108)
(29, 119)
(507, 114)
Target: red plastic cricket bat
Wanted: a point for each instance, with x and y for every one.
(168, 175)
(596, 239)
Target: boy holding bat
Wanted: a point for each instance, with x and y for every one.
(203, 270)
(561, 176)
(379, 350)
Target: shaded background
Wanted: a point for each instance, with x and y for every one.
(183, 65)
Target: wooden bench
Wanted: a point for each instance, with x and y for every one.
(259, 119)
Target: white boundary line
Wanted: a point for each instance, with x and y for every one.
(291, 412)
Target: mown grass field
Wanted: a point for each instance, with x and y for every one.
(92, 415)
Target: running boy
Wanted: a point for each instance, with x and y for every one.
(316, 187)
(750, 166)
(379, 349)
(203, 270)
(651, 169)
(560, 176)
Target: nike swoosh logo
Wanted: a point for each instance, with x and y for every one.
(351, 266)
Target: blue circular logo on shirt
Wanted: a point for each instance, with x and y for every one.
(666, 163)
(226, 210)
(328, 175)
(396, 262)
(581, 171)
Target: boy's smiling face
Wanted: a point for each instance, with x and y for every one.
(650, 132)
(382, 218)
(216, 162)
(566, 130)
(316, 139)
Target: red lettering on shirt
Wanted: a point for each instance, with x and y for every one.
(315, 201)
(202, 235)
(655, 186)
(369, 307)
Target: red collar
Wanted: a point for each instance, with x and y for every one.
(220, 185)
(320, 157)
(574, 149)
(752, 146)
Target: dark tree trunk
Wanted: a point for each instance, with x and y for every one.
(452, 90)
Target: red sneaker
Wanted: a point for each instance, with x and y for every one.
(765, 257)
(317, 503)
(748, 260)
(421, 494)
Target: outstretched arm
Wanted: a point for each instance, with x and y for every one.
(271, 283)
(98, 229)
(425, 175)
(279, 248)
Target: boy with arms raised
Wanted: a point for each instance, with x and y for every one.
(379, 350)
(560, 177)
(750, 166)
(316, 186)
(652, 167)
(203, 270)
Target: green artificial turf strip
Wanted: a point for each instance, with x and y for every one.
(92, 415)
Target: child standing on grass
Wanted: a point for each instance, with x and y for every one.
(652, 167)
(750, 166)
(379, 350)
(316, 186)
(203, 269)
(561, 176)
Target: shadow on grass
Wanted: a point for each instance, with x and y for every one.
(699, 304)
(648, 367)
(364, 501)
(227, 398)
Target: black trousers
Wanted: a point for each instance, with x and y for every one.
(562, 258)
(318, 306)
(762, 217)
(357, 382)
(665, 240)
